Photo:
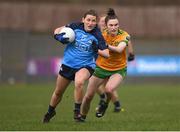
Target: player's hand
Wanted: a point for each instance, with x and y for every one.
(131, 57)
(94, 47)
(60, 38)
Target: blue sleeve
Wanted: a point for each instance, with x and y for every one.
(101, 42)
(73, 25)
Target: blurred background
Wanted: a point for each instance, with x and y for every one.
(29, 54)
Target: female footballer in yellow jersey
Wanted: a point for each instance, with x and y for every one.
(100, 90)
(112, 69)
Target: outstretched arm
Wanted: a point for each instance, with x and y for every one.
(131, 55)
(118, 48)
(104, 52)
(130, 48)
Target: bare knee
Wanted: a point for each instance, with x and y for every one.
(109, 90)
(57, 93)
(79, 84)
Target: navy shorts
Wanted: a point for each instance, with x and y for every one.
(69, 72)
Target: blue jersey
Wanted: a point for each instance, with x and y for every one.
(80, 52)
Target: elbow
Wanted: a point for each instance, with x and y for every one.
(57, 30)
(119, 51)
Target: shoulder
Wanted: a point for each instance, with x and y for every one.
(124, 34)
(96, 32)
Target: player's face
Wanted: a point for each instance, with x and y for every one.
(101, 23)
(112, 26)
(90, 22)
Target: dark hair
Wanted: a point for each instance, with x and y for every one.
(90, 12)
(110, 15)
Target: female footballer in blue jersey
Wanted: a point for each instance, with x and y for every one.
(112, 70)
(78, 61)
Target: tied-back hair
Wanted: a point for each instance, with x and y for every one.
(91, 12)
(110, 15)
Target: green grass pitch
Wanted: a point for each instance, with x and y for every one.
(147, 107)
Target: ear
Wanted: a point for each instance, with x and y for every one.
(83, 19)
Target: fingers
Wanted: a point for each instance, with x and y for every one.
(65, 40)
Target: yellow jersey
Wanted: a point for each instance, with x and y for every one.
(116, 61)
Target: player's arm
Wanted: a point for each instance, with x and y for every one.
(130, 48)
(104, 53)
(60, 36)
(57, 30)
(121, 46)
(100, 49)
(131, 55)
(71, 25)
